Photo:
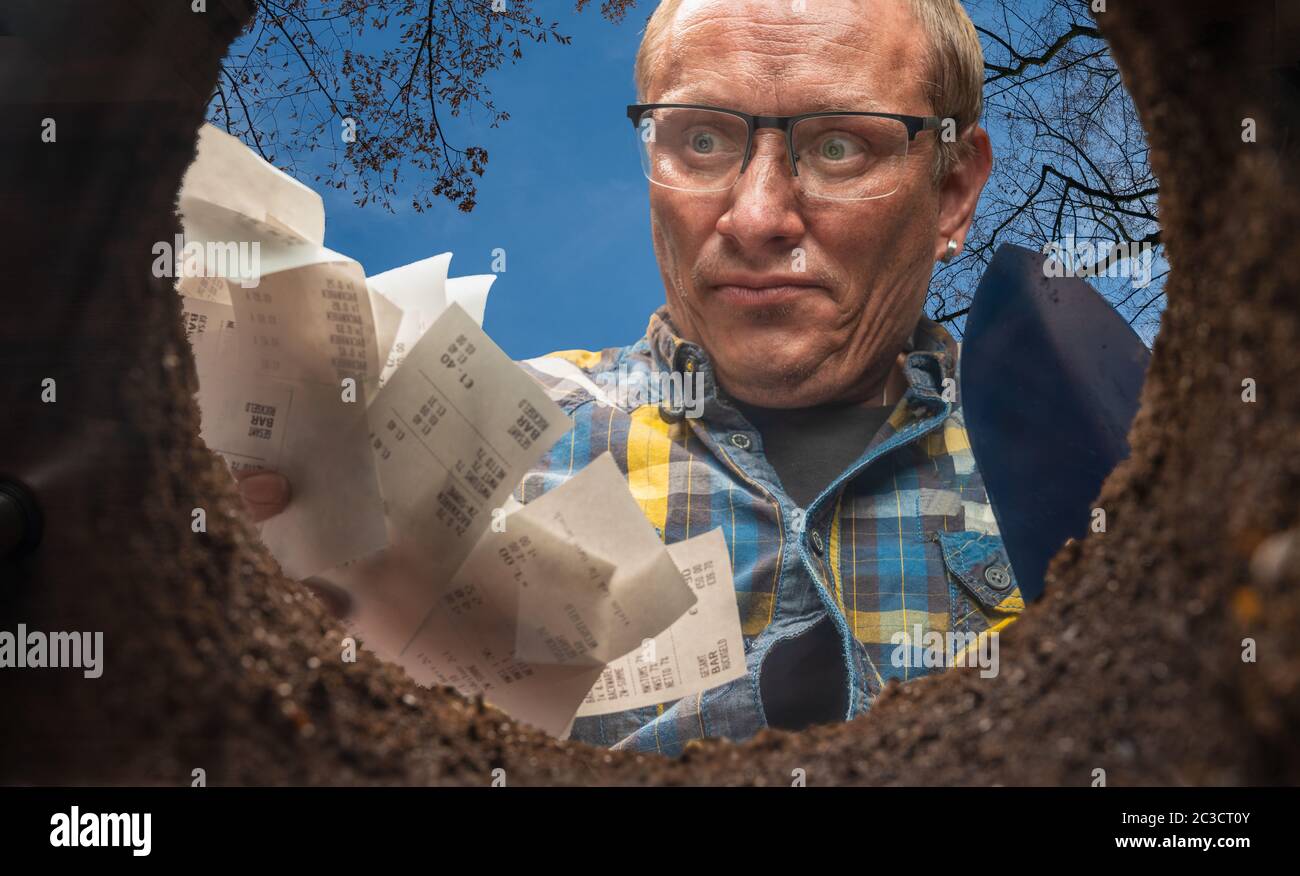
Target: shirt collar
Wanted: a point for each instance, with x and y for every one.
(932, 359)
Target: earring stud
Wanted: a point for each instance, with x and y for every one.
(951, 251)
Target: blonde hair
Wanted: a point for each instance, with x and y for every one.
(954, 85)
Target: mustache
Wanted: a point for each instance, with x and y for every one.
(709, 270)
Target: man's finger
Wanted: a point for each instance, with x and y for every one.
(335, 598)
(265, 494)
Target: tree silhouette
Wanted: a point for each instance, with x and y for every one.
(374, 82)
(1070, 156)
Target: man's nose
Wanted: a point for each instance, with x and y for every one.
(764, 201)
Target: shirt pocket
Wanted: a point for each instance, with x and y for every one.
(980, 580)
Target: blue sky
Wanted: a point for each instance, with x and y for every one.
(563, 195)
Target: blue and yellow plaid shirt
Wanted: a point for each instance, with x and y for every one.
(903, 539)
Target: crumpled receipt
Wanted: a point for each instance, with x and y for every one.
(404, 430)
(701, 650)
(283, 332)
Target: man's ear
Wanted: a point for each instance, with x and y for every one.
(960, 191)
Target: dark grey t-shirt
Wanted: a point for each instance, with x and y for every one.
(810, 447)
(803, 680)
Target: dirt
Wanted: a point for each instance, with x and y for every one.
(1132, 664)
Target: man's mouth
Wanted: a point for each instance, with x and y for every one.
(763, 291)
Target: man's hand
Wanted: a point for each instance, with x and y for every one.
(265, 493)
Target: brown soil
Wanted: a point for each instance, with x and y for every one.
(1132, 664)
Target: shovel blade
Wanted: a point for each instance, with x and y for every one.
(1050, 380)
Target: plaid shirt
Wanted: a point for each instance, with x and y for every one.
(904, 538)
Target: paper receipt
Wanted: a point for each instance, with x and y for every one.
(454, 429)
(701, 650)
(533, 615)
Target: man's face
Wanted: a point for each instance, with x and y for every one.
(730, 260)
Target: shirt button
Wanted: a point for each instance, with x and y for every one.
(740, 440)
(998, 577)
(686, 361)
(816, 538)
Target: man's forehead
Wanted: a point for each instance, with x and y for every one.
(808, 57)
(857, 24)
(789, 101)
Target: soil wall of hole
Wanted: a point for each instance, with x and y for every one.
(1132, 664)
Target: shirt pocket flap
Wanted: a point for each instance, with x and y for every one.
(979, 561)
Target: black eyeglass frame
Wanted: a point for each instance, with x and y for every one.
(785, 124)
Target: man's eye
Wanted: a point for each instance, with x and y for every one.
(703, 142)
(839, 148)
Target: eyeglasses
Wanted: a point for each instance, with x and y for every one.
(840, 156)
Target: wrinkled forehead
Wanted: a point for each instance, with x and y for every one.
(784, 57)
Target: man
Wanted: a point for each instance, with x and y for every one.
(801, 190)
